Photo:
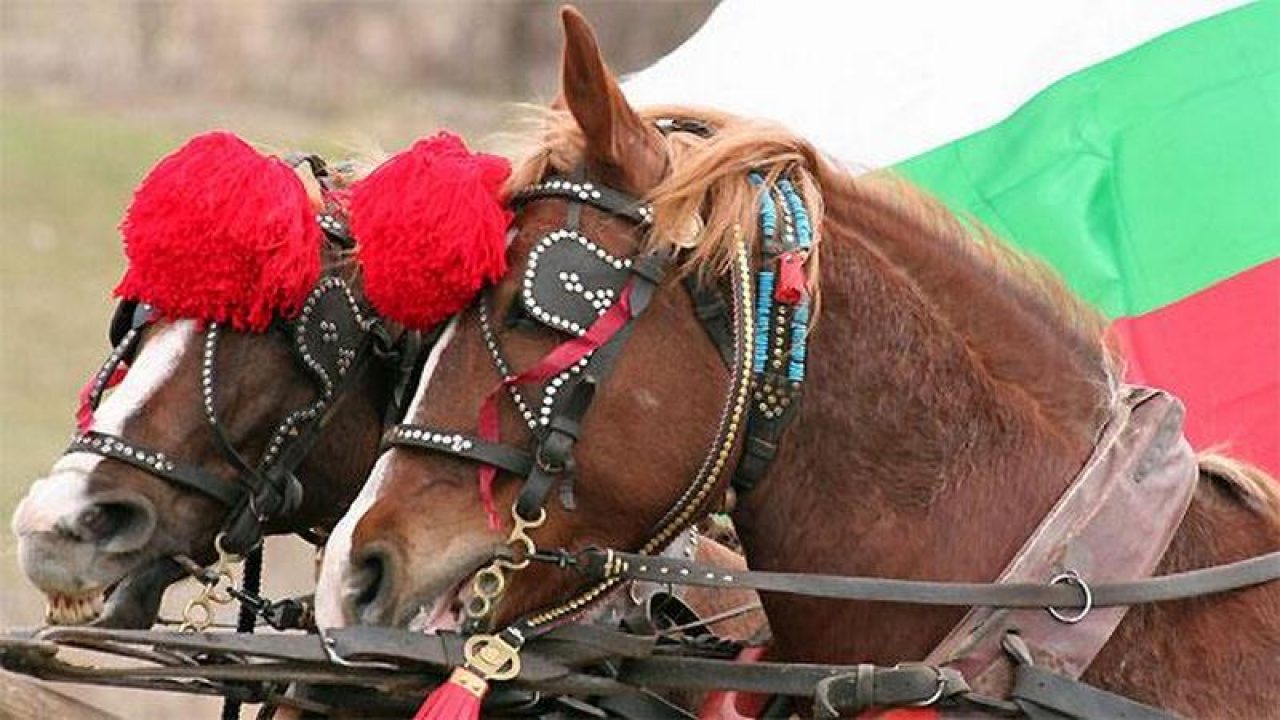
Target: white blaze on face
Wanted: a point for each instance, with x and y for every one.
(65, 489)
(337, 551)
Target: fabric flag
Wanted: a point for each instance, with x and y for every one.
(1135, 146)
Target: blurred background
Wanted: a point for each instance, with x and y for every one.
(93, 93)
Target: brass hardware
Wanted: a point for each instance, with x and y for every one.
(491, 657)
(198, 614)
(491, 581)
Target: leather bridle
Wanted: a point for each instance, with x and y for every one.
(569, 376)
(332, 338)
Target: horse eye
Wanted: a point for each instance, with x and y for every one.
(516, 316)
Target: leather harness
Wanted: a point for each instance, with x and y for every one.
(958, 673)
(1069, 596)
(333, 338)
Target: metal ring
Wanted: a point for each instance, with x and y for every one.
(1071, 577)
(937, 693)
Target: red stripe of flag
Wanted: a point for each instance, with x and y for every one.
(1219, 351)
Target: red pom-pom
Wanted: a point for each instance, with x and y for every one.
(219, 232)
(431, 230)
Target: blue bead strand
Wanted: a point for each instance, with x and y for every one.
(799, 337)
(768, 211)
(764, 308)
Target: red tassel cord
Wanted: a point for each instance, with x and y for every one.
(792, 283)
(221, 233)
(84, 413)
(560, 358)
(430, 229)
(457, 699)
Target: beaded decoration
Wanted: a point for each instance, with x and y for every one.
(782, 318)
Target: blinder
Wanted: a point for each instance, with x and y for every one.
(570, 281)
(328, 333)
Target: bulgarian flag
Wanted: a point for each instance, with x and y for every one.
(1134, 146)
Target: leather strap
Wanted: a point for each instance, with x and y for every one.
(470, 447)
(1114, 521)
(554, 456)
(714, 314)
(1063, 596)
(1045, 695)
(870, 686)
(157, 463)
(604, 198)
(643, 706)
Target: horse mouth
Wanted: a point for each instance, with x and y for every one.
(79, 609)
(448, 611)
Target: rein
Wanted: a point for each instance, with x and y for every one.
(1067, 591)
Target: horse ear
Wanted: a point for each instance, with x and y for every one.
(621, 149)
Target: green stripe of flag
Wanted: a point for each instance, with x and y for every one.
(1144, 178)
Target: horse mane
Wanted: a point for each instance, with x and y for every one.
(708, 177)
(1247, 483)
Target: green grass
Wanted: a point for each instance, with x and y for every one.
(64, 181)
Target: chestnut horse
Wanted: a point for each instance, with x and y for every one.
(953, 391)
(96, 523)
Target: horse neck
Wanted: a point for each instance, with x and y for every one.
(333, 472)
(946, 408)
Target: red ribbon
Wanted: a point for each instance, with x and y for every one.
(561, 358)
(84, 414)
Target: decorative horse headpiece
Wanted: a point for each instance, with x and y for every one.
(222, 234)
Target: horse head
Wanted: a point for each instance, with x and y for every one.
(611, 439)
(254, 364)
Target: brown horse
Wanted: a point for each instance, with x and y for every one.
(96, 523)
(953, 391)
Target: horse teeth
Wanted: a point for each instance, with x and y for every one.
(67, 610)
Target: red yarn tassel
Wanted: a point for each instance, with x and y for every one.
(790, 288)
(457, 699)
(431, 230)
(219, 232)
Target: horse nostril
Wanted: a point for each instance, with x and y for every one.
(369, 584)
(118, 526)
(99, 521)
